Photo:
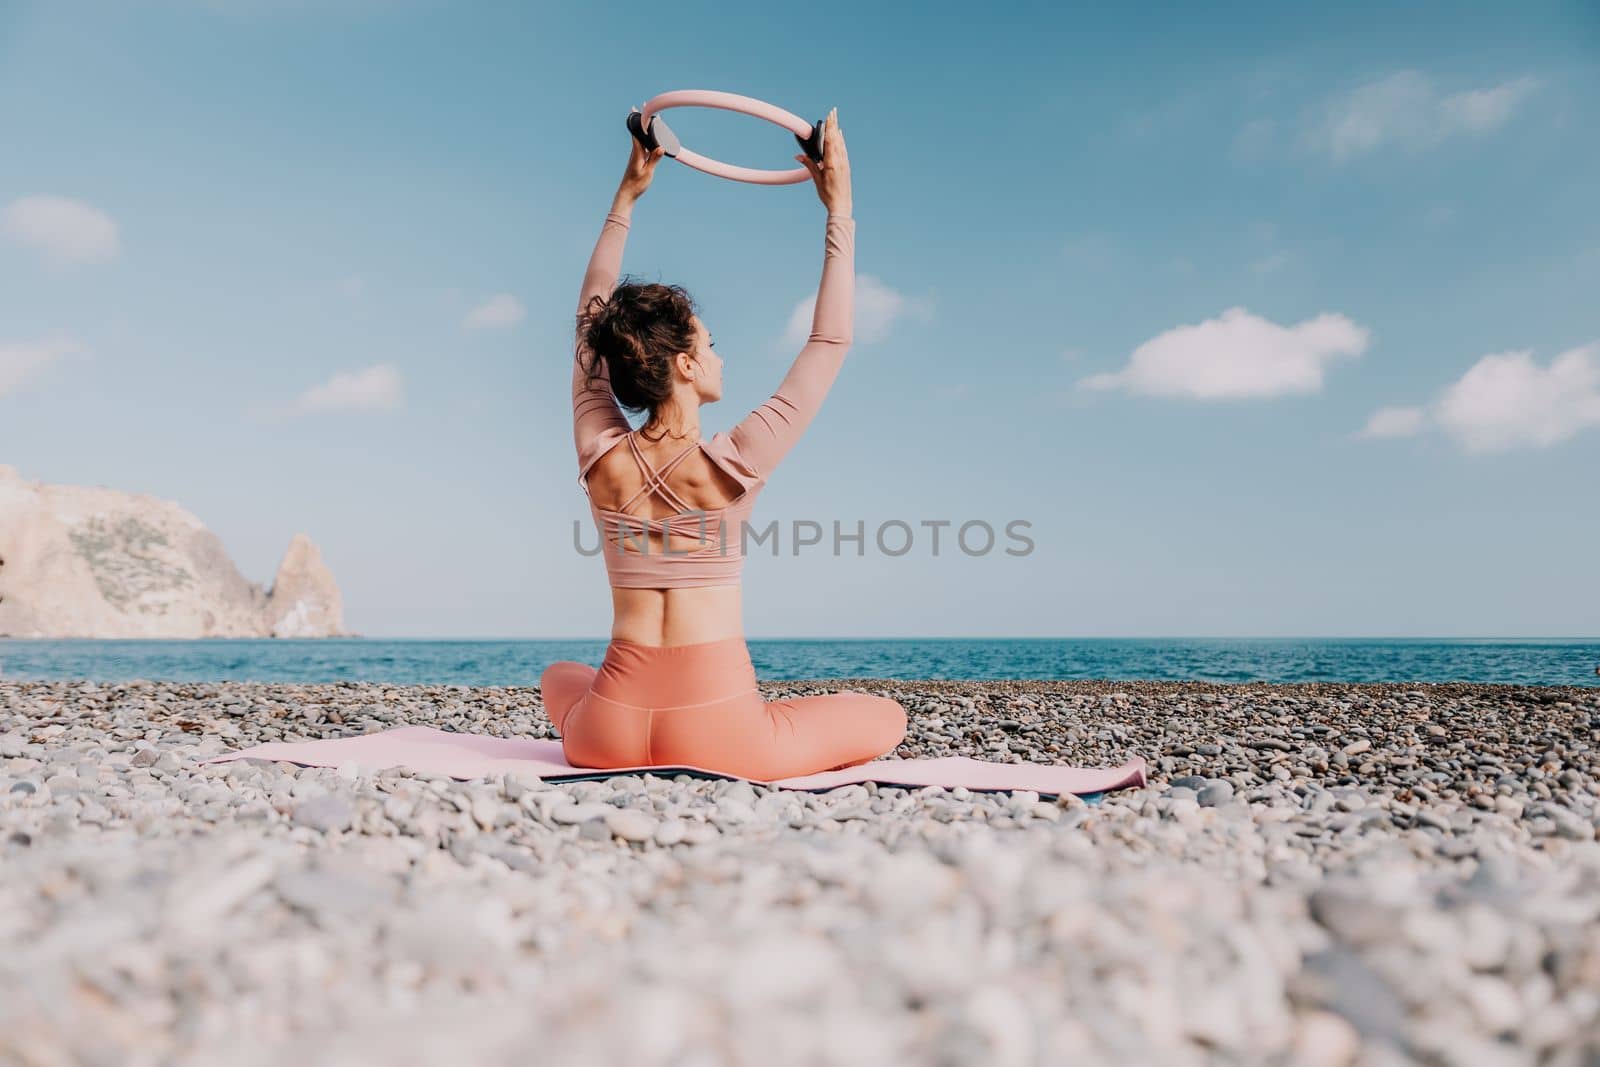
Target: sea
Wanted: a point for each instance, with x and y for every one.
(1520, 661)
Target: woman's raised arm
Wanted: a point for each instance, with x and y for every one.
(767, 434)
(594, 407)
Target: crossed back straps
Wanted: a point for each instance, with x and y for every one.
(655, 480)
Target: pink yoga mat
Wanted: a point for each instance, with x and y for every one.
(422, 748)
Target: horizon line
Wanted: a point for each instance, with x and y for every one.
(912, 637)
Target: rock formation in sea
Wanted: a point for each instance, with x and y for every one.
(81, 561)
(304, 601)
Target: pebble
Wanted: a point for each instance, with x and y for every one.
(325, 813)
(633, 826)
(575, 813)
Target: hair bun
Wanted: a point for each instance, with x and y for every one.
(614, 309)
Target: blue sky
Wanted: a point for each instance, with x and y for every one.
(1268, 319)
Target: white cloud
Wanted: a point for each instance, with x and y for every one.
(20, 361)
(378, 388)
(877, 309)
(496, 313)
(1394, 422)
(1236, 355)
(1485, 109)
(1408, 109)
(65, 232)
(1506, 401)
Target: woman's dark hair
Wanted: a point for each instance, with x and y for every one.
(637, 330)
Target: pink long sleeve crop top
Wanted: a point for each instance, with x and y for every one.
(749, 453)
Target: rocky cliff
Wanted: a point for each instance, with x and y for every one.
(77, 561)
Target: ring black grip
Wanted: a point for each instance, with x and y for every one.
(812, 144)
(640, 134)
(659, 134)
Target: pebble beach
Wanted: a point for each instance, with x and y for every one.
(1327, 875)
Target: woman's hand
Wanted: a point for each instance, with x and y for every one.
(832, 175)
(641, 168)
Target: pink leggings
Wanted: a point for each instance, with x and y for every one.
(698, 705)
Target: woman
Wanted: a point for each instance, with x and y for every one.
(677, 685)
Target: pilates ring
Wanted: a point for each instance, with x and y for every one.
(650, 131)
